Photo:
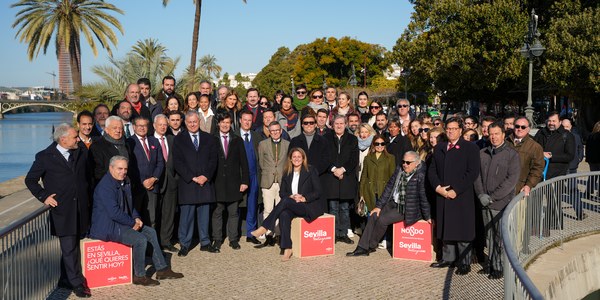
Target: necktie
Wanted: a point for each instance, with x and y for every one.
(246, 137)
(276, 153)
(195, 141)
(71, 159)
(225, 145)
(450, 146)
(146, 148)
(127, 132)
(164, 148)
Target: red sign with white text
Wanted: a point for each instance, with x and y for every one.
(105, 263)
(413, 242)
(314, 239)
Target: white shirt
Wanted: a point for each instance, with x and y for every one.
(158, 137)
(64, 151)
(295, 182)
(243, 132)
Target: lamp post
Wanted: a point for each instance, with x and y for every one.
(353, 82)
(532, 48)
(293, 87)
(405, 73)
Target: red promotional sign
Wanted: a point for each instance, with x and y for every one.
(314, 239)
(105, 263)
(413, 242)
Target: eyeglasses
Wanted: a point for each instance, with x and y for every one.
(407, 162)
(373, 107)
(521, 127)
(274, 130)
(309, 123)
(452, 128)
(317, 96)
(264, 103)
(403, 105)
(423, 130)
(301, 92)
(379, 144)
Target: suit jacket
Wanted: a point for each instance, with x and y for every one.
(318, 154)
(348, 159)
(70, 184)
(459, 168)
(255, 138)
(269, 169)
(168, 179)
(100, 154)
(562, 145)
(190, 163)
(96, 131)
(232, 170)
(309, 186)
(142, 168)
(155, 107)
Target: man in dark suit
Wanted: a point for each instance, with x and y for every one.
(341, 180)
(167, 184)
(112, 143)
(195, 159)
(63, 169)
(138, 109)
(231, 182)
(101, 112)
(251, 139)
(146, 166)
(314, 145)
(452, 173)
(399, 144)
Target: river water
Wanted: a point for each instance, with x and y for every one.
(24, 135)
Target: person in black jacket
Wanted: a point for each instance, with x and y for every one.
(300, 197)
(592, 157)
(394, 205)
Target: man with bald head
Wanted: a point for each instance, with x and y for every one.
(134, 97)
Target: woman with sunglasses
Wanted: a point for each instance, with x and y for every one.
(343, 108)
(264, 102)
(378, 167)
(316, 102)
(288, 117)
(374, 108)
(424, 136)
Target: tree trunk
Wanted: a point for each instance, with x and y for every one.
(195, 43)
(75, 59)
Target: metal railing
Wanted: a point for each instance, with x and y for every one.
(556, 210)
(30, 258)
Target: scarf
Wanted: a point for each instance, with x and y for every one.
(291, 117)
(119, 144)
(137, 106)
(364, 144)
(399, 193)
(300, 104)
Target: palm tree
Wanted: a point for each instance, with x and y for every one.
(192, 67)
(67, 21)
(208, 63)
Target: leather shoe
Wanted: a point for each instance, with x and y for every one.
(344, 239)
(145, 281)
(82, 291)
(495, 274)
(269, 242)
(253, 240)
(64, 284)
(217, 246)
(169, 248)
(358, 252)
(463, 270)
(235, 245)
(167, 273)
(442, 264)
(183, 251)
(210, 249)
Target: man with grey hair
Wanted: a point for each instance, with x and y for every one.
(63, 169)
(222, 91)
(404, 113)
(403, 199)
(114, 218)
(112, 143)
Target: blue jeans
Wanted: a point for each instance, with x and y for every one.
(340, 208)
(187, 215)
(139, 240)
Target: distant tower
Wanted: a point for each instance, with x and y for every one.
(65, 83)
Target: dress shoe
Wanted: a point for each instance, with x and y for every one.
(494, 274)
(145, 281)
(64, 284)
(344, 239)
(358, 252)
(269, 242)
(253, 240)
(210, 249)
(82, 291)
(442, 264)
(463, 270)
(183, 251)
(167, 273)
(287, 254)
(169, 248)
(235, 245)
(485, 270)
(217, 246)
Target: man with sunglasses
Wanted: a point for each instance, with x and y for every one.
(301, 99)
(404, 113)
(314, 145)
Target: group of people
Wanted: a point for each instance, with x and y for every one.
(130, 172)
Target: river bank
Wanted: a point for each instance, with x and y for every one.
(12, 186)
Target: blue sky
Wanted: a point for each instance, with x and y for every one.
(241, 36)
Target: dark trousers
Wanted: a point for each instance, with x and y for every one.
(340, 208)
(190, 214)
(492, 219)
(457, 251)
(377, 226)
(593, 183)
(286, 210)
(70, 260)
(146, 202)
(232, 221)
(252, 205)
(168, 207)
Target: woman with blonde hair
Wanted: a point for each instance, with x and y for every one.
(231, 106)
(378, 167)
(344, 107)
(365, 134)
(300, 194)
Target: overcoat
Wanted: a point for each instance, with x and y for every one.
(375, 175)
(343, 153)
(232, 170)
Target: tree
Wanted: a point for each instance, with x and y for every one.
(209, 64)
(67, 21)
(197, 14)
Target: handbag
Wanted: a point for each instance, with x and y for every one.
(361, 208)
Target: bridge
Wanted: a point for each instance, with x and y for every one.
(65, 105)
